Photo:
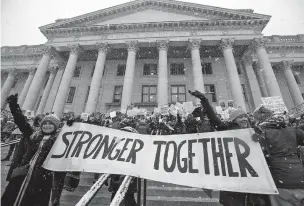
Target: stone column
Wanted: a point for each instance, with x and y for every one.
(253, 82)
(129, 75)
(38, 80)
(66, 81)
(47, 90)
(162, 85)
(195, 44)
(235, 84)
(5, 90)
(26, 87)
(53, 93)
(291, 83)
(258, 73)
(96, 79)
(271, 83)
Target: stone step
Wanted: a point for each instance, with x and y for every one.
(104, 198)
(73, 198)
(160, 191)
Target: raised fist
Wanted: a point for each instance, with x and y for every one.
(12, 99)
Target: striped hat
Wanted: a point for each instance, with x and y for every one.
(52, 118)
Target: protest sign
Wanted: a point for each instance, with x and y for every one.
(113, 114)
(85, 116)
(164, 110)
(275, 104)
(228, 160)
(297, 111)
(188, 106)
(173, 110)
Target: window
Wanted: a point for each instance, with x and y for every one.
(15, 83)
(207, 68)
(149, 93)
(117, 94)
(296, 76)
(244, 93)
(178, 93)
(121, 69)
(210, 92)
(150, 69)
(77, 71)
(87, 96)
(46, 79)
(177, 69)
(303, 95)
(71, 95)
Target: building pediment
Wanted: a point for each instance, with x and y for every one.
(144, 11)
(148, 15)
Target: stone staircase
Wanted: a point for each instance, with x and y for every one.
(158, 193)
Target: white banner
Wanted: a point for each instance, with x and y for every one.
(227, 160)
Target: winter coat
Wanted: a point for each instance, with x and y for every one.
(281, 151)
(231, 198)
(35, 187)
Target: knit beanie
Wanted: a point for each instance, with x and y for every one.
(261, 114)
(53, 119)
(235, 114)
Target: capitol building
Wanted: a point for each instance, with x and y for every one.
(150, 53)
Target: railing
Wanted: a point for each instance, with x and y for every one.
(120, 194)
(10, 143)
(86, 199)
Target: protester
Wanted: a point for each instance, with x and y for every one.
(30, 183)
(238, 119)
(280, 145)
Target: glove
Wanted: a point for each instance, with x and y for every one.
(12, 99)
(199, 95)
(70, 121)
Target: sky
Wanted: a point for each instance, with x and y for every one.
(20, 19)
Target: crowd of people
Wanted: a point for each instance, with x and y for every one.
(280, 137)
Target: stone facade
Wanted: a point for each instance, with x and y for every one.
(85, 52)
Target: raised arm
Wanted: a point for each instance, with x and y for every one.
(19, 118)
(214, 120)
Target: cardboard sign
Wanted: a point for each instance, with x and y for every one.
(113, 114)
(85, 116)
(275, 104)
(228, 160)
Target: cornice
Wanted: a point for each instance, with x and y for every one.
(177, 6)
(158, 26)
(24, 51)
